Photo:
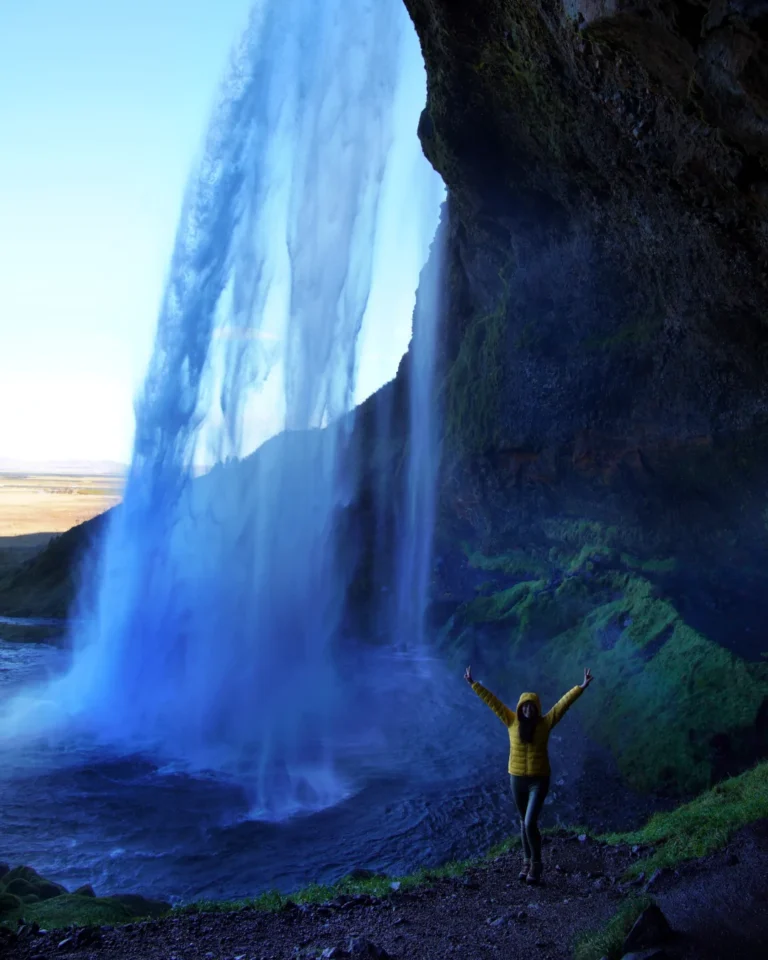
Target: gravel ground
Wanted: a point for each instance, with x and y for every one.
(718, 905)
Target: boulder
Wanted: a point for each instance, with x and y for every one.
(334, 953)
(25, 873)
(20, 887)
(364, 949)
(32, 885)
(140, 906)
(651, 929)
(9, 903)
(85, 891)
(47, 890)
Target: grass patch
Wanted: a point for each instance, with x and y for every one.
(515, 563)
(70, 909)
(607, 941)
(703, 825)
(375, 886)
(503, 605)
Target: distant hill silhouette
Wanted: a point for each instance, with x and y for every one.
(72, 468)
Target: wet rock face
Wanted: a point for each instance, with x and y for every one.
(609, 193)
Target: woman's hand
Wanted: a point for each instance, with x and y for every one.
(468, 676)
(588, 678)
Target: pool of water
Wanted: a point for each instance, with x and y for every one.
(79, 813)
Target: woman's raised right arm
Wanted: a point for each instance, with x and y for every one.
(501, 710)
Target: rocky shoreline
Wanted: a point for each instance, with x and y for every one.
(716, 908)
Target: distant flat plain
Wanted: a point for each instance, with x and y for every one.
(35, 507)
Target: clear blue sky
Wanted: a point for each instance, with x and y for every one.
(103, 109)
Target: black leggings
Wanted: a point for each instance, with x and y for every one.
(529, 794)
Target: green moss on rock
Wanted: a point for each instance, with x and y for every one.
(664, 693)
(474, 381)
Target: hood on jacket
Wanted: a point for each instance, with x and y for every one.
(529, 698)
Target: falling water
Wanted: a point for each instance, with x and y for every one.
(414, 557)
(212, 624)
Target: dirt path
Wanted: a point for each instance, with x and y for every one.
(719, 904)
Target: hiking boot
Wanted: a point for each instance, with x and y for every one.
(534, 874)
(524, 870)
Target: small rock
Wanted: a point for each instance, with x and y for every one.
(655, 953)
(395, 885)
(521, 915)
(582, 836)
(66, 943)
(651, 929)
(655, 877)
(366, 949)
(88, 936)
(499, 921)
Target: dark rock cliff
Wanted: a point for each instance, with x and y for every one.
(609, 191)
(604, 361)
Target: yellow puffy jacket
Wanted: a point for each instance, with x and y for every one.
(528, 759)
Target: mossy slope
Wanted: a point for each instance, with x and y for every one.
(677, 709)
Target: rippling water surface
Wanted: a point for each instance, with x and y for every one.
(80, 815)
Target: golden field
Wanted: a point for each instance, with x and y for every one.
(35, 507)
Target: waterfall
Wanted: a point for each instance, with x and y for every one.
(414, 556)
(209, 634)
